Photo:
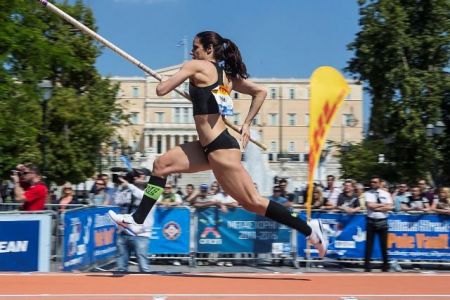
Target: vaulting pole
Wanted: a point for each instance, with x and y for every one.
(125, 55)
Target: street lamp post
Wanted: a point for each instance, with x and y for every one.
(435, 131)
(46, 89)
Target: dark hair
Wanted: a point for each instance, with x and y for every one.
(224, 50)
(33, 168)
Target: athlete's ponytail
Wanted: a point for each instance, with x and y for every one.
(225, 50)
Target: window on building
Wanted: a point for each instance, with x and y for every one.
(273, 93)
(236, 119)
(186, 87)
(115, 118)
(134, 118)
(159, 117)
(255, 120)
(176, 115)
(185, 114)
(135, 91)
(307, 119)
(273, 146)
(291, 147)
(291, 93)
(292, 119)
(273, 119)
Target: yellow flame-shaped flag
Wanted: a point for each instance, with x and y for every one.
(328, 90)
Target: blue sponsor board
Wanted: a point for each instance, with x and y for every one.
(345, 234)
(89, 236)
(239, 231)
(171, 231)
(414, 237)
(25, 242)
(419, 237)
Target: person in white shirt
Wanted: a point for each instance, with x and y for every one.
(129, 241)
(379, 203)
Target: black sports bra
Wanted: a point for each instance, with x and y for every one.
(203, 100)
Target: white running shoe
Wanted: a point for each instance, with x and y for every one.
(317, 237)
(127, 222)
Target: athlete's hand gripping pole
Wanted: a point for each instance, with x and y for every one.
(125, 55)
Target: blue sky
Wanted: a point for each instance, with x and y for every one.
(277, 38)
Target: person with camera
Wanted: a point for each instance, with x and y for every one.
(128, 198)
(29, 188)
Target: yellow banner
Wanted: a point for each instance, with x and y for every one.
(328, 90)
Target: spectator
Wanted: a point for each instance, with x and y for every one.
(443, 203)
(400, 196)
(28, 187)
(225, 202)
(190, 194)
(425, 191)
(67, 197)
(214, 188)
(379, 203)
(109, 189)
(128, 197)
(415, 202)
(168, 198)
(359, 190)
(317, 198)
(348, 201)
(100, 196)
(331, 192)
(283, 183)
(203, 198)
(276, 197)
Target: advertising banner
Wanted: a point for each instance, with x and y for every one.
(89, 236)
(25, 242)
(171, 231)
(419, 237)
(413, 237)
(239, 231)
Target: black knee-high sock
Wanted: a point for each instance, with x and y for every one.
(154, 189)
(281, 214)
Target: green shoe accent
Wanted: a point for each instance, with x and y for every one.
(153, 191)
(294, 214)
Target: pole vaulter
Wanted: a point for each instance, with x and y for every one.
(127, 56)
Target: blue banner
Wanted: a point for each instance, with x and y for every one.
(413, 237)
(239, 231)
(89, 236)
(171, 231)
(25, 242)
(419, 237)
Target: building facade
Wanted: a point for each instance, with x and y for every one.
(160, 123)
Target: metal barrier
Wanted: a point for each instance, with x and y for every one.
(241, 233)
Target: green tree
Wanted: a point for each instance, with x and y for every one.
(40, 45)
(402, 55)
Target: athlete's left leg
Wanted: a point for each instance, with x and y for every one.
(235, 181)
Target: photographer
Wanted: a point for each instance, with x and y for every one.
(28, 187)
(128, 198)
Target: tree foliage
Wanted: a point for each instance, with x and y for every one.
(35, 45)
(402, 54)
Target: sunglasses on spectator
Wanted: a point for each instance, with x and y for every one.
(168, 187)
(277, 191)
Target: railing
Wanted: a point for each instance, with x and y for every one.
(184, 232)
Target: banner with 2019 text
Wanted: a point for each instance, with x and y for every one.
(239, 231)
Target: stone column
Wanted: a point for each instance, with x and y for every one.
(163, 143)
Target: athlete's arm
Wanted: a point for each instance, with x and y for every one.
(187, 70)
(258, 94)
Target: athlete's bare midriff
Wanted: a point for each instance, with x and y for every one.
(208, 127)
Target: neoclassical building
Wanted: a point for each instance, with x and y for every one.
(159, 123)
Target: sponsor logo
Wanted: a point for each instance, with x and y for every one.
(171, 231)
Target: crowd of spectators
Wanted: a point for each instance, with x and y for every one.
(347, 196)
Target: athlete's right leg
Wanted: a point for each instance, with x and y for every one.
(186, 158)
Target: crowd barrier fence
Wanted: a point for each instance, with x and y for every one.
(83, 237)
